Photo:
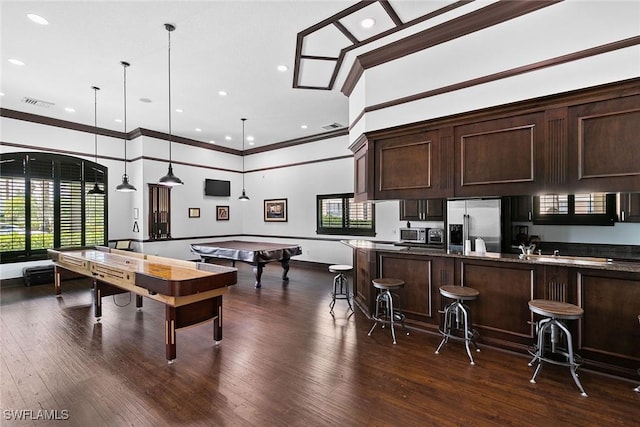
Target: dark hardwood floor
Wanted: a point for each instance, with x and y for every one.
(284, 361)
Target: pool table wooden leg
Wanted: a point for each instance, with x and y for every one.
(285, 268)
(257, 270)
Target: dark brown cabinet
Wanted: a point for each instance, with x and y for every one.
(521, 208)
(577, 142)
(499, 157)
(422, 210)
(604, 146)
(629, 207)
(409, 165)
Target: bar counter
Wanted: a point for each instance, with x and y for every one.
(631, 266)
(608, 291)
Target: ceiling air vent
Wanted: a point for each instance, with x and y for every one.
(332, 126)
(37, 102)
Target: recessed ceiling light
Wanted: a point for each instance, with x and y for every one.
(222, 92)
(70, 110)
(368, 22)
(303, 126)
(145, 100)
(37, 19)
(250, 138)
(282, 68)
(228, 138)
(1, 93)
(15, 61)
(179, 110)
(118, 120)
(212, 141)
(198, 130)
(251, 143)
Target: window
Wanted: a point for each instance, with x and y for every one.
(339, 214)
(44, 204)
(575, 209)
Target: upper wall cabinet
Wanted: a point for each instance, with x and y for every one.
(605, 143)
(499, 157)
(576, 142)
(408, 166)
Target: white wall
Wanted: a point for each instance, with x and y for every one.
(551, 32)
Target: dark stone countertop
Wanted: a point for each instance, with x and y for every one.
(595, 263)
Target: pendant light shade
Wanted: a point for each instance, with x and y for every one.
(125, 187)
(96, 190)
(170, 179)
(244, 196)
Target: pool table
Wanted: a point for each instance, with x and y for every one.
(257, 254)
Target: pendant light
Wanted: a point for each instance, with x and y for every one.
(96, 190)
(170, 179)
(244, 196)
(125, 186)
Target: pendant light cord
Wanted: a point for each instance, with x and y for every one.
(243, 120)
(125, 65)
(95, 123)
(169, 29)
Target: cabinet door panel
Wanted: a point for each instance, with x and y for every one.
(610, 322)
(502, 307)
(397, 160)
(498, 157)
(604, 142)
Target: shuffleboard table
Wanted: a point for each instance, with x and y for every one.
(191, 291)
(257, 254)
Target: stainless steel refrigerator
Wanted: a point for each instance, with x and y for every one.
(470, 219)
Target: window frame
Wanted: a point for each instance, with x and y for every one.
(571, 218)
(347, 199)
(84, 174)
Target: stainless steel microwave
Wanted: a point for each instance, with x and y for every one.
(413, 235)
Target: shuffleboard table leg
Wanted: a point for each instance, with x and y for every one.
(97, 300)
(170, 332)
(56, 281)
(139, 302)
(217, 320)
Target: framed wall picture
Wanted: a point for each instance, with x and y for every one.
(275, 210)
(222, 213)
(194, 212)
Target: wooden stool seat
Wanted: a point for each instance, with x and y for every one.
(340, 268)
(388, 283)
(555, 309)
(459, 292)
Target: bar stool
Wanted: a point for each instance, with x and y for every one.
(637, 389)
(384, 302)
(340, 285)
(456, 313)
(554, 313)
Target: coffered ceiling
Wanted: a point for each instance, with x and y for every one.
(230, 46)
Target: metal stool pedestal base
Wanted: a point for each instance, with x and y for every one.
(553, 326)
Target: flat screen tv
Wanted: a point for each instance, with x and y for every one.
(217, 187)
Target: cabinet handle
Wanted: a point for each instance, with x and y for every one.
(529, 215)
(622, 216)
